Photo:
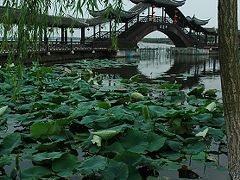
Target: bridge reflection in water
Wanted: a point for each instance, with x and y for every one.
(159, 64)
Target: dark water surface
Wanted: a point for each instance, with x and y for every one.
(156, 63)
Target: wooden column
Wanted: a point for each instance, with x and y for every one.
(216, 39)
(94, 32)
(45, 36)
(99, 30)
(62, 34)
(162, 15)
(110, 29)
(83, 35)
(66, 36)
(126, 26)
(206, 38)
(148, 13)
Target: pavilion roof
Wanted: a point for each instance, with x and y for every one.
(50, 20)
(197, 21)
(211, 31)
(162, 3)
(122, 14)
(91, 21)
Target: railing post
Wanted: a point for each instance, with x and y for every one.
(47, 46)
(94, 32)
(126, 26)
(82, 35)
(71, 44)
(66, 36)
(62, 34)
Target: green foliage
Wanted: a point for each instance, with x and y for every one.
(68, 127)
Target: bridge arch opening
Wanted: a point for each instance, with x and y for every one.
(156, 38)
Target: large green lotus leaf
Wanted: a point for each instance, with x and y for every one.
(192, 100)
(155, 142)
(203, 118)
(9, 143)
(83, 109)
(40, 105)
(175, 145)
(136, 106)
(85, 88)
(5, 87)
(120, 113)
(55, 97)
(172, 156)
(202, 156)
(46, 156)
(6, 160)
(44, 129)
(164, 130)
(65, 165)
(133, 172)
(62, 110)
(111, 132)
(135, 141)
(36, 172)
(196, 148)
(93, 164)
(129, 158)
(26, 107)
(76, 98)
(217, 134)
(170, 165)
(104, 104)
(115, 148)
(95, 121)
(2, 110)
(115, 170)
(197, 91)
(158, 111)
(218, 122)
(51, 146)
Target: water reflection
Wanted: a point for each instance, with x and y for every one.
(158, 63)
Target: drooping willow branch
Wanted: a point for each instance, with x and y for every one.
(25, 21)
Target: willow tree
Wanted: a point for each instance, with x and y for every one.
(230, 78)
(23, 23)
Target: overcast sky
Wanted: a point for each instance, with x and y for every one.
(203, 9)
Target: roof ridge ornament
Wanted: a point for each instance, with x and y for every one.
(162, 3)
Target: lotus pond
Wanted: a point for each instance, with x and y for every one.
(68, 123)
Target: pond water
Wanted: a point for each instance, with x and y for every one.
(157, 64)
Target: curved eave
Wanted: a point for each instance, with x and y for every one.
(211, 31)
(96, 21)
(200, 22)
(122, 14)
(161, 3)
(112, 14)
(49, 20)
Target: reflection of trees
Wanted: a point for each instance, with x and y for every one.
(186, 70)
(192, 68)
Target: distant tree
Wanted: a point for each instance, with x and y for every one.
(230, 78)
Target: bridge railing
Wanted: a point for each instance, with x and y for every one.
(44, 47)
